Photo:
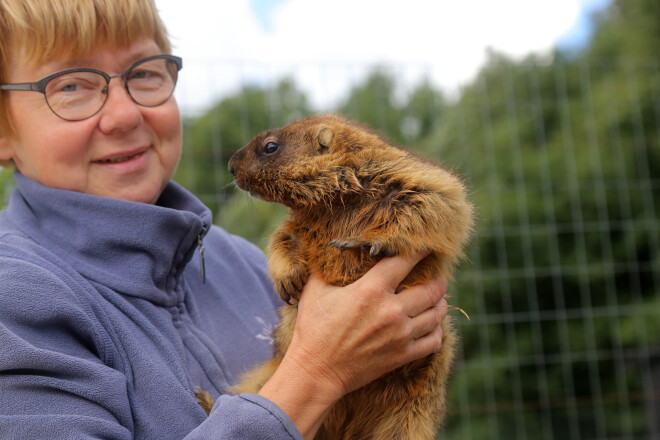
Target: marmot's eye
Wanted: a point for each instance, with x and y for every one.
(271, 147)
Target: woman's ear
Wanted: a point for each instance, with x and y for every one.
(6, 152)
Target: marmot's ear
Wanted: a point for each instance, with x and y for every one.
(323, 137)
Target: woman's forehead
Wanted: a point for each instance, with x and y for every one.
(22, 65)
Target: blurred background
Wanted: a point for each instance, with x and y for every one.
(551, 112)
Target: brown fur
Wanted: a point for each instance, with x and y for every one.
(354, 199)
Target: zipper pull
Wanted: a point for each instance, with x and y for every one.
(202, 265)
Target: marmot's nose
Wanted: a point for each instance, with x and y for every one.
(232, 166)
(233, 159)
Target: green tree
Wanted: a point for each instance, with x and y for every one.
(562, 283)
(422, 113)
(373, 104)
(627, 30)
(377, 104)
(567, 226)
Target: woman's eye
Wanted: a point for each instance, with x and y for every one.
(142, 74)
(75, 82)
(69, 88)
(271, 147)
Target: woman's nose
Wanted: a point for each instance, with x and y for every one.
(119, 112)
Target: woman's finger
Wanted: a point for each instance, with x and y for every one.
(427, 344)
(422, 297)
(427, 321)
(391, 271)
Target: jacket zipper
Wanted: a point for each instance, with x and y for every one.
(200, 249)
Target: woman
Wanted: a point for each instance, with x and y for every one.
(117, 295)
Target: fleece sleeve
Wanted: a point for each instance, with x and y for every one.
(60, 377)
(54, 383)
(233, 417)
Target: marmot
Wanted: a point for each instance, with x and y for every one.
(353, 199)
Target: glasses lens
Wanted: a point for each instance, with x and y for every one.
(152, 82)
(77, 95)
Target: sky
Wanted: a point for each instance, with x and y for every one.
(328, 46)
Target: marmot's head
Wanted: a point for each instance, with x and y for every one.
(290, 165)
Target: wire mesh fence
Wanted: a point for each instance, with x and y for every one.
(581, 242)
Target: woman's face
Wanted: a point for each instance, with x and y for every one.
(125, 151)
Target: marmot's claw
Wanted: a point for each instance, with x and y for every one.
(349, 243)
(383, 249)
(288, 294)
(286, 297)
(290, 287)
(375, 249)
(340, 244)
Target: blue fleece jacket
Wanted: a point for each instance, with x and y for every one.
(106, 327)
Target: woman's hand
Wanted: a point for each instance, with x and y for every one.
(353, 335)
(347, 337)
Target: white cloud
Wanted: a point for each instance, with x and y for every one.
(326, 45)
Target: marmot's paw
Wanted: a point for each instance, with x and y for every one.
(378, 248)
(290, 286)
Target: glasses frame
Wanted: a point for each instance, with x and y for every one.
(40, 86)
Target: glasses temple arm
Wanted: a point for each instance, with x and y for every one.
(30, 87)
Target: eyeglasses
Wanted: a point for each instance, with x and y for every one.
(77, 94)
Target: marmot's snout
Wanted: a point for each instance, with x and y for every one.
(233, 161)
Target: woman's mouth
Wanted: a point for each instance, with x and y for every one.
(120, 158)
(128, 162)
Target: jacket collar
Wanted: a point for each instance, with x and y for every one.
(136, 249)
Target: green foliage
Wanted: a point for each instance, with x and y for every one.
(404, 121)
(6, 185)
(250, 217)
(629, 29)
(561, 159)
(372, 103)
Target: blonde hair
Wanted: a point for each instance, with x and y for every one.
(42, 30)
